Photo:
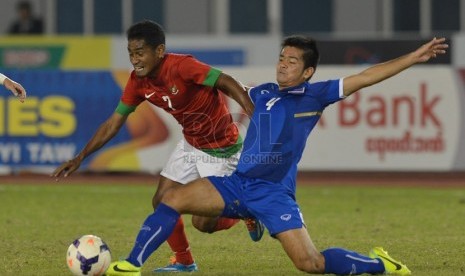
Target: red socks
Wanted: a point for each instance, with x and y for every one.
(225, 223)
(179, 244)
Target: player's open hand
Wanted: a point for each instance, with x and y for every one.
(65, 169)
(432, 49)
(15, 88)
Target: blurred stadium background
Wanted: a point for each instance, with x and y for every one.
(408, 131)
(75, 71)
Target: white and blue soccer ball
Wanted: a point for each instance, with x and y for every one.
(88, 255)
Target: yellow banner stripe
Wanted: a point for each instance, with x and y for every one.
(307, 114)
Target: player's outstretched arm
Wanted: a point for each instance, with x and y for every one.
(15, 88)
(382, 71)
(104, 133)
(235, 90)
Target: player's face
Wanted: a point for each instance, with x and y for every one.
(144, 58)
(290, 68)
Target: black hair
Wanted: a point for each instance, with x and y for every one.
(311, 54)
(24, 5)
(151, 32)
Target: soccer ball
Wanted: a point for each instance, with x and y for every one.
(88, 255)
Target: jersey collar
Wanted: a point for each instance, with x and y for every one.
(296, 90)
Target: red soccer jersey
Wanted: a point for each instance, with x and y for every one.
(183, 87)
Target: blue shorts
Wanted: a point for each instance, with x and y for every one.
(269, 202)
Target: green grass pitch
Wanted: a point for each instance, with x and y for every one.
(422, 227)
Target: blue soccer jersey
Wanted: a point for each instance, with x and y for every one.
(263, 185)
(280, 126)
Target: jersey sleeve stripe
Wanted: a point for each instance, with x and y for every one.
(212, 77)
(124, 109)
(341, 88)
(307, 114)
(248, 92)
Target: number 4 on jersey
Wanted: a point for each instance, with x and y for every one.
(271, 102)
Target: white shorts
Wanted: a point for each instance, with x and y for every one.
(187, 163)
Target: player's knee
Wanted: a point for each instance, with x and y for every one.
(155, 201)
(205, 225)
(172, 198)
(159, 195)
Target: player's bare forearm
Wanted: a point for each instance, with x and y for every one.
(104, 133)
(385, 70)
(235, 90)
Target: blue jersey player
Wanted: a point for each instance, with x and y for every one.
(263, 185)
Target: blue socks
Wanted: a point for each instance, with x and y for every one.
(155, 230)
(344, 262)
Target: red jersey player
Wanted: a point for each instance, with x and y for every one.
(188, 94)
(190, 91)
